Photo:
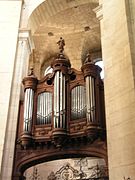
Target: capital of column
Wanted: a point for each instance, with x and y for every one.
(99, 12)
(91, 70)
(30, 82)
(25, 35)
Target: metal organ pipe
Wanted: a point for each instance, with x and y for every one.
(78, 102)
(28, 110)
(64, 102)
(59, 100)
(44, 108)
(60, 67)
(90, 98)
(55, 96)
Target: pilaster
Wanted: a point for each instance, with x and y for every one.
(10, 12)
(117, 50)
(24, 48)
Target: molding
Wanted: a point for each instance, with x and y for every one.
(99, 12)
(18, 0)
(25, 35)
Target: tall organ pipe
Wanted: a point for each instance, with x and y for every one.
(90, 98)
(28, 110)
(60, 67)
(30, 84)
(92, 78)
(59, 100)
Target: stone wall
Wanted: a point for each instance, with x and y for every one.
(119, 87)
(9, 24)
(118, 43)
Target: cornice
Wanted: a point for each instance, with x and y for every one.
(25, 35)
(99, 12)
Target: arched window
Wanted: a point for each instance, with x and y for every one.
(99, 62)
(48, 70)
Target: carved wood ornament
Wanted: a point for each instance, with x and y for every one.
(62, 115)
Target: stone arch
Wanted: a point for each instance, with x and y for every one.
(52, 19)
(49, 8)
(33, 158)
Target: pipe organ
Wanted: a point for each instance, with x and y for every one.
(28, 110)
(90, 88)
(62, 115)
(44, 108)
(30, 84)
(59, 119)
(78, 102)
(63, 105)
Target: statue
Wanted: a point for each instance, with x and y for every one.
(61, 44)
(31, 72)
(88, 59)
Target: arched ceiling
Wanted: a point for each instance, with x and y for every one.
(74, 20)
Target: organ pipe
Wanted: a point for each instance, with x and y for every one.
(90, 94)
(30, 84)
(92, 78)
(28, 110)
(78, 103)
(44, 108)
(59, 100)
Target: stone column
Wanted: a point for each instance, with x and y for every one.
(9, 22)
(117, 35)
(24, 48)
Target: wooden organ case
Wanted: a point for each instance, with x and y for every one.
(62, 115)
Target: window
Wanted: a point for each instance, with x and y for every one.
(99, 62)
(48, 70)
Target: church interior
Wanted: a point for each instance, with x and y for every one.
(68, 112)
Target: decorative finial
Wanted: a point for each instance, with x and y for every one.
(88, 59)
(31, 71)
(61, 44)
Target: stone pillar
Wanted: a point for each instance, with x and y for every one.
(25, 48)
(9, 22)
(20, 68)
(117, 35)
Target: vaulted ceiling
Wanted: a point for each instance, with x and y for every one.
(74, 20)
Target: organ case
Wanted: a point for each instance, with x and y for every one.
(65, 104)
